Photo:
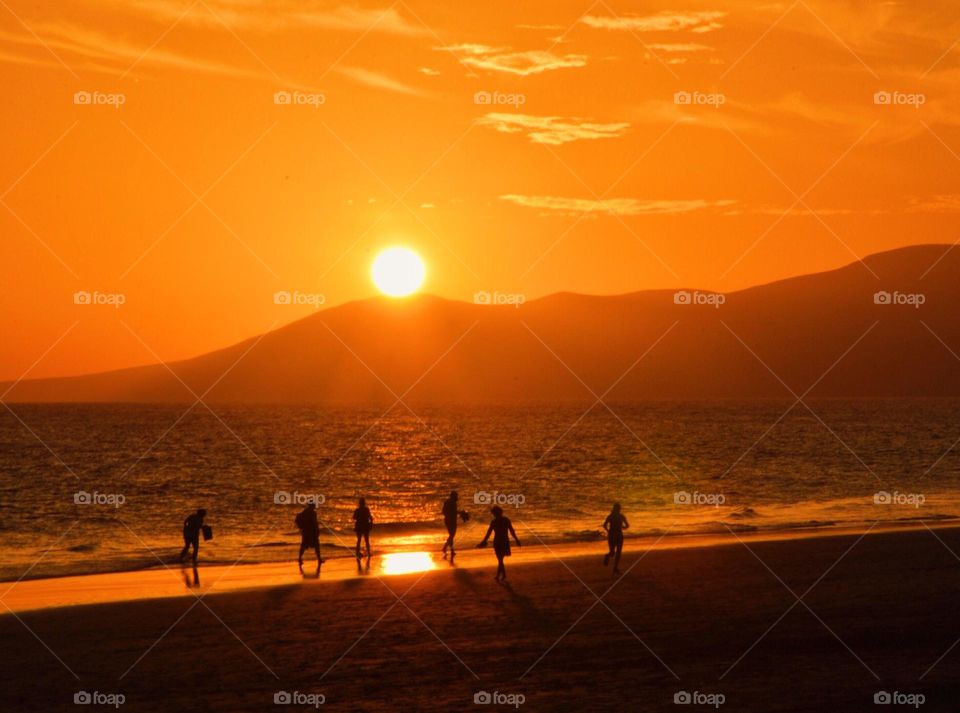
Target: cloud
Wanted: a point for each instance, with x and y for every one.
(681, 47)
(273, 15)
(702, 21)
(501, 59)
(377, 80)
(430, 72)
(613, 206)
(551, 129)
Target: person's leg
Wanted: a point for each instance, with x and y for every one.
(195, 544)
(453, 534)
(303, 548)
(186, 548)
(358, 544)
(616, 559)
(316, 548)
(366, 539)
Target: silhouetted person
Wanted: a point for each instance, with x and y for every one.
(502, 528)
(191, 533)
(309, 532)
(450, 515)
(615, 524)
(362, 524)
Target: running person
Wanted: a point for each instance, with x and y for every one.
(615, 524)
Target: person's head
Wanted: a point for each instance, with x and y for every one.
(497, 511)
(363, 502)
(201, 512)
(453, 495)
(616, 508)
(311, 506)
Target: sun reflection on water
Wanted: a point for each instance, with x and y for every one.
(404, 562)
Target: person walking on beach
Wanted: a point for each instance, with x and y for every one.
(450, 515)
(362, 524)
(306, 521)
(502, 528)
(615, 524)
(191, 533)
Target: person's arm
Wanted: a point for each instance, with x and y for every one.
(626, 524)
(487, 536)
(606, 524)
(512, 532)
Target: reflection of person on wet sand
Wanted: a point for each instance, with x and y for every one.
(615, 524)
(502, 528)
(186, 578)
(450, 515)
(362, 524)
(306, 521)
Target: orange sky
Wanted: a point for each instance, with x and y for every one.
(199, 196)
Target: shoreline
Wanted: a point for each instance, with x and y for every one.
(174, 580)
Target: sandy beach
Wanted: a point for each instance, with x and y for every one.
(719, 622)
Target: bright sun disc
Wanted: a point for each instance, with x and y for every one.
(398, 272)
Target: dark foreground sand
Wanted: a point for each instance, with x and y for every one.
(678, 621)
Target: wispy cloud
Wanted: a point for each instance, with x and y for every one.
(613, 206)
(501, 59)
(273, 15)
(551, 129)
(702, 21)
(681, 47)
(377, 80)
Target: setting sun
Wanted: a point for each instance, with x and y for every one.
(398, 272)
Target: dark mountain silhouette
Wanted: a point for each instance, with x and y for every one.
(823, 332)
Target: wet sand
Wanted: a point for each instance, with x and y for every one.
(713, 619)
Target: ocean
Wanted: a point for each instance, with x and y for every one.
(98, 488)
